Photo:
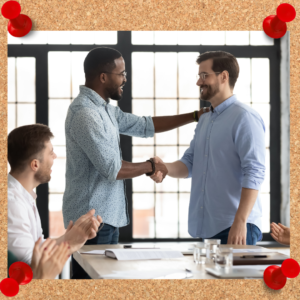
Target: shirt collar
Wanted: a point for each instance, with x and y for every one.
(95, 97)
(221, 107)
(19, 187)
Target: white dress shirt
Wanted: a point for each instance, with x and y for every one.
(23, 220)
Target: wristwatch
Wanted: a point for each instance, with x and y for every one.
(153, 167)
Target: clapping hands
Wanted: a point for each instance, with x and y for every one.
(48, 259)
(85, 228)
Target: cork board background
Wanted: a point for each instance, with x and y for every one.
(156, 15)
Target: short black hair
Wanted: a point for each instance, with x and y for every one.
(100, 60)
(222, 61)
(25, 143)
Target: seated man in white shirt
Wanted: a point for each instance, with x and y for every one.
(31, 156)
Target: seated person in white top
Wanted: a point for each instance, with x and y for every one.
(31, 156)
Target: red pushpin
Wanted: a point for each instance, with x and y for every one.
(275, 26)
(9, 287)
(19, 25)
(275, 277)
(21, 272)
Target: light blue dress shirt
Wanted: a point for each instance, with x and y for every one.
(226, 154)
(94, 159)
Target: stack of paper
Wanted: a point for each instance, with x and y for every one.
(142, 254)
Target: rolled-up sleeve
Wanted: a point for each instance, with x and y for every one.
(250, 145)
(188, 156)
(133, 125)
(88, 131)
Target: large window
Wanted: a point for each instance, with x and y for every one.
(161, 81)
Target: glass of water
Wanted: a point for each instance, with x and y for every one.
(211, 246)
(199, 253)
(224, 258)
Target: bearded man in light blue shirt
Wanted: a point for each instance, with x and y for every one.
(226, 159)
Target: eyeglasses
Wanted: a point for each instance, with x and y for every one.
(124, 74)
(204, 75)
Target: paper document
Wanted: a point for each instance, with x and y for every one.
(251, 250)
(94, 252)
(141, 254)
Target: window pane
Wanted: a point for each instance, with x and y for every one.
(11, 79)
(142, 37)
(59, 74)
(166, 75)
(56, 228)
(260, 38)
(59, 37)
(188, 69)
(242, 86)
(142, 183)
(265, 201)
(264, 111)
(265, 187)
(212, 37)
(141, 107)
(184, 200)
(57, 183)
(143, 215)
(186, 132)
(26, 79)
(106, 37)
(167, 154)
(166, 108)
(165, 37)
(237, 37)
(142, 74)
(13, 40)
(35, 37)
(82, 37)
(57, 116)
(189, 37)
(260, 80)
(166, 215)
(11, 117)
(78, 77)
(25, 114)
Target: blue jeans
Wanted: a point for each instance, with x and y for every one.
(254, 235)
(107, 235)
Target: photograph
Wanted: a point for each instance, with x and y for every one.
(148, 154)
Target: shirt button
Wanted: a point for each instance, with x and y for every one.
(202, 190)
(212, 121)
(201, 207)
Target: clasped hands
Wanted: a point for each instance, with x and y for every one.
(161, 170)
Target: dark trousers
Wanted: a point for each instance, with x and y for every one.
(107, 235)
(254, 235)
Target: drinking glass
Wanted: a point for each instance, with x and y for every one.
(199, 253)
(224, 258)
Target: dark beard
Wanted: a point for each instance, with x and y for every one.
(41, 177)
(113, 94)
(211, 91)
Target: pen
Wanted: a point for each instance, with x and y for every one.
(254, 256)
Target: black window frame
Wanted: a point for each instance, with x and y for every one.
(273, 53)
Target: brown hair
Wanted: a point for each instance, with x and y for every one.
(222, 61)
(25, 143)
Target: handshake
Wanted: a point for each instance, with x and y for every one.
(161, 170)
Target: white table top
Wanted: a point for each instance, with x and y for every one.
(100, 266)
